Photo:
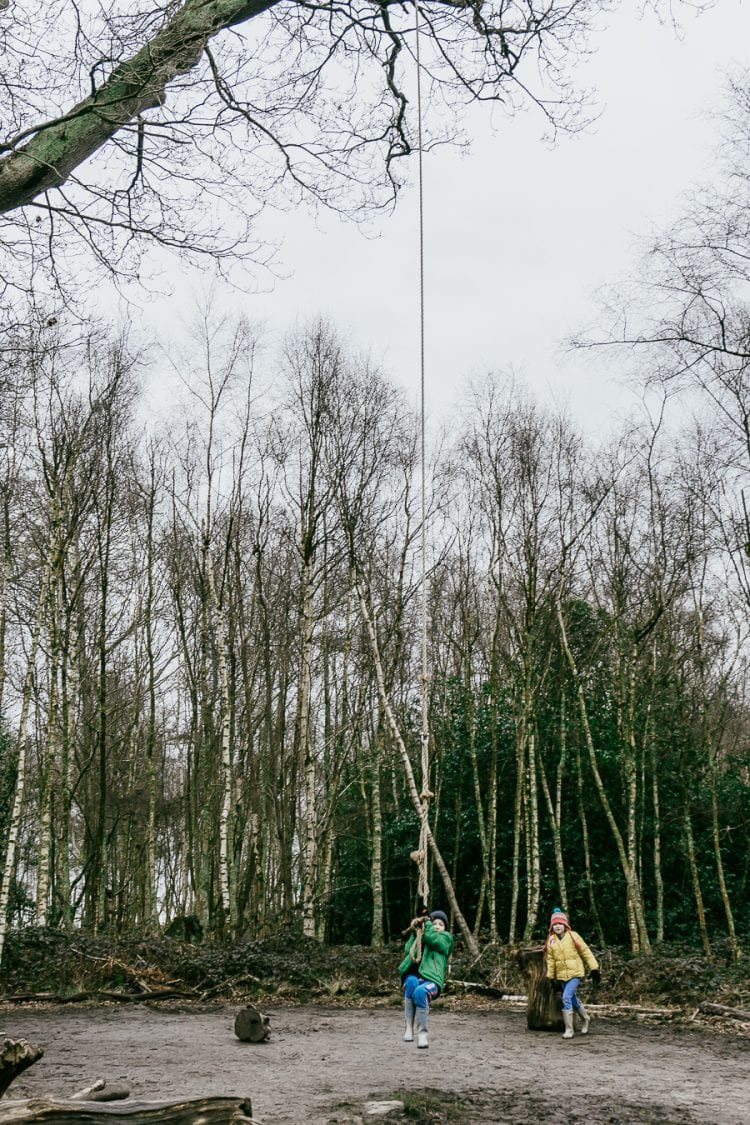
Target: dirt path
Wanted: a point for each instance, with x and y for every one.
(321, 1063)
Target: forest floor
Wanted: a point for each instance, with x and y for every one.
(652, 1054)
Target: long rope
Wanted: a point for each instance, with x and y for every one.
(423, 888)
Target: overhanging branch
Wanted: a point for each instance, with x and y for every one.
(138, 84)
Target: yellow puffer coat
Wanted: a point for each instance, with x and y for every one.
(566, 956)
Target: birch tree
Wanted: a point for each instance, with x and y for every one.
(314, 367)
(226, 351)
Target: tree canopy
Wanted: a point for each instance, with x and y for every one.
(128, 125)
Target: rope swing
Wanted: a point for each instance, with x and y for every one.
(420, 799)
(422, 853)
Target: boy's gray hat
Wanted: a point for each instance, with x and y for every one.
(441, 915)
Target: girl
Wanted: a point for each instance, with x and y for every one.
(423, 971)
(566, 954)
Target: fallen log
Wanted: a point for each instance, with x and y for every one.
(634, 1010)
(78, 997)
(206, 1111)
(16, 1055)
(709, 1009)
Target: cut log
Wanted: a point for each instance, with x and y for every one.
(15, 1057)
(251, 1026)
(543, 1004)
(206, 1111)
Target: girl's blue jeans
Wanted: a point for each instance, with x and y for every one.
(569, 998)
(421, 991)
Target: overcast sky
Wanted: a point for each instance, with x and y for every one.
(519, 235)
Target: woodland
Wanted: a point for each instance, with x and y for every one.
(197, 621)
(214, 607)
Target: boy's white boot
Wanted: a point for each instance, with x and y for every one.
(585, 1019)
(409, 1021)
(422, 1040)
(568, 1021)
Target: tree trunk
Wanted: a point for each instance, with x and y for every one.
(535, 864)
(376, 851)
(49, 781)
(587, 850)
(695, 880)
(9, 866)
(631, 878)
(225, 784)
(150, 912)
(543, 1006)
(515, 877)
(720, 872)
(5, 568)
(307, 760)
(653, 756)
(554, 813)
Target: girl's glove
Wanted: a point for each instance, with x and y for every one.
(557, 985)
(596, 976)
(417, 923)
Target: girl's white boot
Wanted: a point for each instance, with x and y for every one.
(409, 1021)
(422, 1040)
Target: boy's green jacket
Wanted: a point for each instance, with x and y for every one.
(437, 947)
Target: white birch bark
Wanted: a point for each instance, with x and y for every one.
(226, 746)
(307, 759)
(15, 815)
(50, 767)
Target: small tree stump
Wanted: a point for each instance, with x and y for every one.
(543, 1005)
(251, 1026)
(16, 1055)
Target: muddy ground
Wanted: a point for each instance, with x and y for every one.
(321, 1064)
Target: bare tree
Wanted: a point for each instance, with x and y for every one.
(212, 466)
(686, 315)
(314, 371)
(171, 107)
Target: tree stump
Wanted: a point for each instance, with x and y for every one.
(543, 1005)
(16, 1055)
(251, 1026)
